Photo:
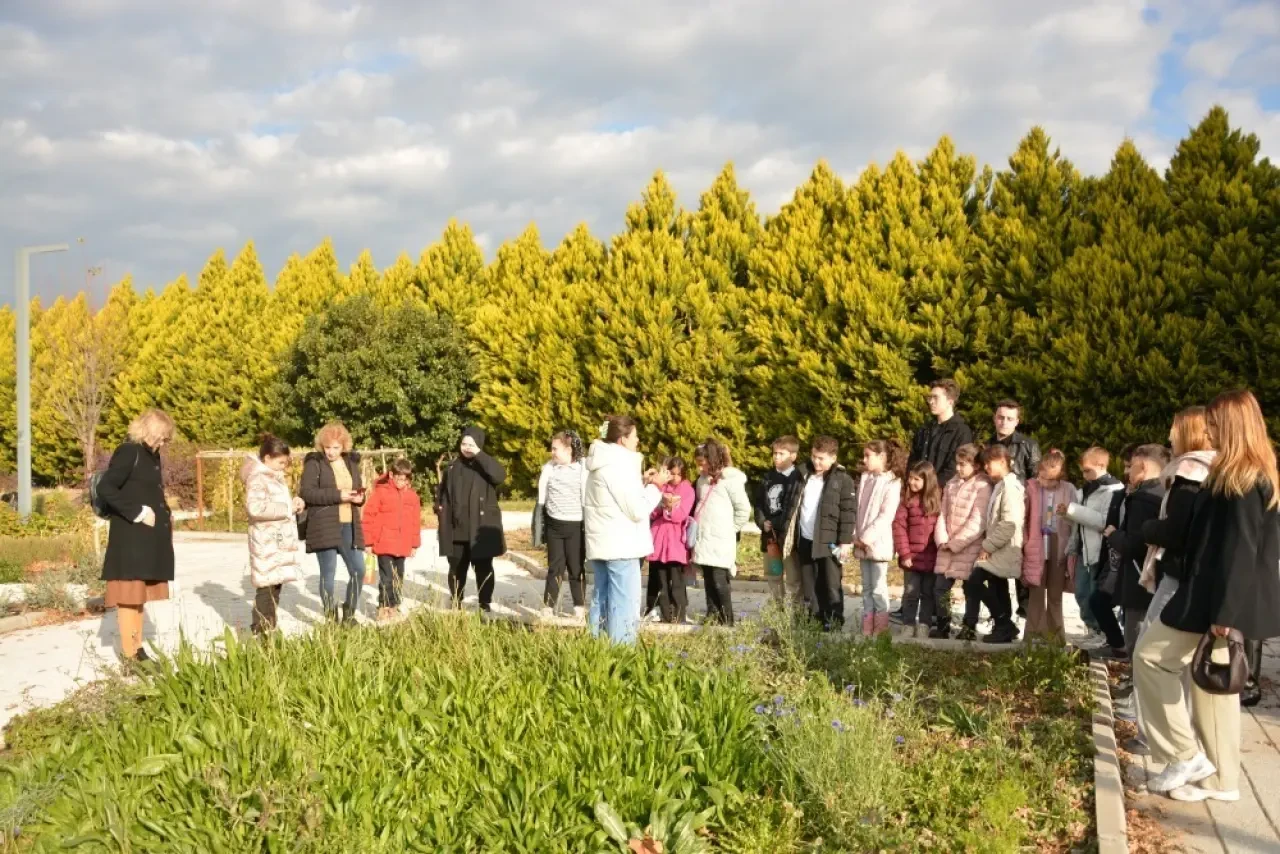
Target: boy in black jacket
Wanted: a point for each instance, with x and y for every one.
(773, 498)
(820, 531)
(1128, 549)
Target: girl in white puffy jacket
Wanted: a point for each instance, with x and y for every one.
(723, 509)
(879, 491)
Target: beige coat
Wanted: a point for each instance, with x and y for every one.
(878, 497)
(961, 524)
(1006, 527)
(722, 511)
(275, 555)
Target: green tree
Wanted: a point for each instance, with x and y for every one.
(529, 339)
(305, 287)
(397, 377)
(156, 337)
(657, 343)
(8, 390)
(451, 275)
(55, 452)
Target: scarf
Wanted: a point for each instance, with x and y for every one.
(1193, 466)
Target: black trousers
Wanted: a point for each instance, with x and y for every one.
(719, 598)
(266, 602)
(666, 585)
(460, 560)
(1103, 607)
(821, 584)
(1024, 595)
(918, 593)
(390, 581)
(984, 588)
(565, 548)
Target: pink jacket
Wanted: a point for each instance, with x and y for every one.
(667, 526)
(961, 525)
(1032, 542)
(878, 497)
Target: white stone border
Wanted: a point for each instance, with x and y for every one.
(1108, 778)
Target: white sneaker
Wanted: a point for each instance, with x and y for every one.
(652, 617)
(580, 613)
(1195, 794)
(1179, 774)
(547, 612)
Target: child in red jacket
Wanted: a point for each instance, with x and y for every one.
(913, 532)
(392, 532)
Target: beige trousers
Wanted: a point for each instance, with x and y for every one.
(1163, 654)
(788, 585)
(1044, 606)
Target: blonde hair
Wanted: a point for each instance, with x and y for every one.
(1190, 431)
(333, 432)
(1245, 455)
(151, 428)
(1096, 454)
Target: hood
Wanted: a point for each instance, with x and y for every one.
(477, 435)
(1193, 466)
(1149, 490)
(1012, 481)
(603, 454)
(318, 456)
(1106, 483)
(732, 475)
(251, 466)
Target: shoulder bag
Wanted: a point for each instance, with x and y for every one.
(1214, 678)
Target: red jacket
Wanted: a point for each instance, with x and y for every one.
(913, 536)
(392, 519)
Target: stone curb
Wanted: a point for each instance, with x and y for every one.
(1108, 779)
(21, 621)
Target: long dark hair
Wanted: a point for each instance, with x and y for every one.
(619, 427)
(931, 495)
(894, 454)
(272, 446)
(716, 456)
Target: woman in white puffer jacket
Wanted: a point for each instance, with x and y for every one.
(722, 510)
(615, 512)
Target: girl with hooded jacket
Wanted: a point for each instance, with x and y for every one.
(470, 519)
(275, 553)
(723, 509)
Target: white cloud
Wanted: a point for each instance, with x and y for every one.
(161, 130)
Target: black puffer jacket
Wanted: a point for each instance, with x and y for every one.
(1130, 545)
(319, 490)
(837, 512)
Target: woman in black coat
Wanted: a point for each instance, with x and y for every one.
(1230, 582)
(470, 519)
(139, 561)
(332, 489)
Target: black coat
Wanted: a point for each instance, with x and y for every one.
(483, 517)
(1024, 455)
(135, 551)
(1233, 567)
(774, 497)
(1130, 545)
(319, 490)
(837, 510)
(1172, 532)
(937, 444)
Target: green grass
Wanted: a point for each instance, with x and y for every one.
(445, 734)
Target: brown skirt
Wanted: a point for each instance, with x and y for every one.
(135, 593)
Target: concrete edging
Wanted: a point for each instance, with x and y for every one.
(17, 623)
(1108, 778)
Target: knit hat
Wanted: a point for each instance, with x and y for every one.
(477, 435)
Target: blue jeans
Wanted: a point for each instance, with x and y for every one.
(328, 560)
(615, 602)
(1084, 589)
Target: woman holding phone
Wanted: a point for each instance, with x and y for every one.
(332, 489)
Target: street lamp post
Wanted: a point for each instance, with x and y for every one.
(22, 278)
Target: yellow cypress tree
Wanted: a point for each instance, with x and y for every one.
(451, 275)
(8, 390)
(55, 452)
(305, 287)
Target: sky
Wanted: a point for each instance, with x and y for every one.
(148, 133)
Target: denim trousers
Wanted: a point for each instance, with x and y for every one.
(328, 560)
(615, 600)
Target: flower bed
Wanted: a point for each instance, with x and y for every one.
(444, 733)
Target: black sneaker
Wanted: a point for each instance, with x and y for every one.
(967, 634)
(142, 655)
(896, 616)
(1008, 635)
(940, 634)
(1108, 653)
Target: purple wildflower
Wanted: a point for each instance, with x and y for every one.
(778, 699)
(837, 726)
(859, 702)
(759, 709)
(900, 740)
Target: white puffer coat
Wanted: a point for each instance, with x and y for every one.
(723, 509)
(617, 504)
(275, 555)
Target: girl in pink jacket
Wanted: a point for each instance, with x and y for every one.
(670, 556)
(961, 526)
(879, 491)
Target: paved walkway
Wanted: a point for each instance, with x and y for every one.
(212, 591)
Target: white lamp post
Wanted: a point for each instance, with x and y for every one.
(22, 276)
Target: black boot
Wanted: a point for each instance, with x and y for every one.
(1252, 693)
(941, 629)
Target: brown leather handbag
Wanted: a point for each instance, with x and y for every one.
(1214, 678)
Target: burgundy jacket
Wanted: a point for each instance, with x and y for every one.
(913, 537)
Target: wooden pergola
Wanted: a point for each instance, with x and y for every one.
(380, 454)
